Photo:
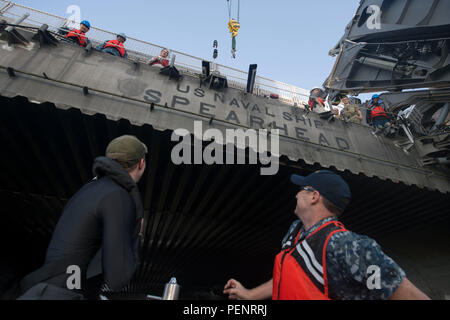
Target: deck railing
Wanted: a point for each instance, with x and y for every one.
(143, 51)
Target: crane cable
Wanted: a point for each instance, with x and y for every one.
(229, 3)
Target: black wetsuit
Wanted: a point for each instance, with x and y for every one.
(104, 214)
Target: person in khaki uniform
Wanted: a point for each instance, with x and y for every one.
(350, 112)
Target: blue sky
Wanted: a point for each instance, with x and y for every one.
(288, 39)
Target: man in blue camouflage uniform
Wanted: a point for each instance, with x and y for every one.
(356, 267)
(349, 256)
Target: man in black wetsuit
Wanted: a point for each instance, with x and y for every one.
(98, 231)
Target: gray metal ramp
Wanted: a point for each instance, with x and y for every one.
(121, 89)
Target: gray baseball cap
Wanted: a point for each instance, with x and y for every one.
(127, 150)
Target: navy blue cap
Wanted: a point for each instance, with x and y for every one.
(329, 184)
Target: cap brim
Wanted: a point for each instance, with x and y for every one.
(298, 180)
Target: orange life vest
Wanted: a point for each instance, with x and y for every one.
(378, 111)
(300, 271)
(79, 35)
(313, 102)
(116, 44)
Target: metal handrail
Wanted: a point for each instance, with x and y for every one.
(143, 49)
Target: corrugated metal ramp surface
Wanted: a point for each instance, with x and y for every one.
(205, 223)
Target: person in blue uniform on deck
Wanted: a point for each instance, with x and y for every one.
(377, 113)
(115, 47)
(79, 35)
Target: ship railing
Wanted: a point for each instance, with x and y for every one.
(143, 51)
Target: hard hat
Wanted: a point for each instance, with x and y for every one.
(375, 96)
(123, 36)
(316, 87)
(86, 23)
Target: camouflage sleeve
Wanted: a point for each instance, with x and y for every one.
(290, 235)
(357, 268)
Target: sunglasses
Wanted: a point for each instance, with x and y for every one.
(308, 189)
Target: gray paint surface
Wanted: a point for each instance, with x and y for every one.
(314, 140)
